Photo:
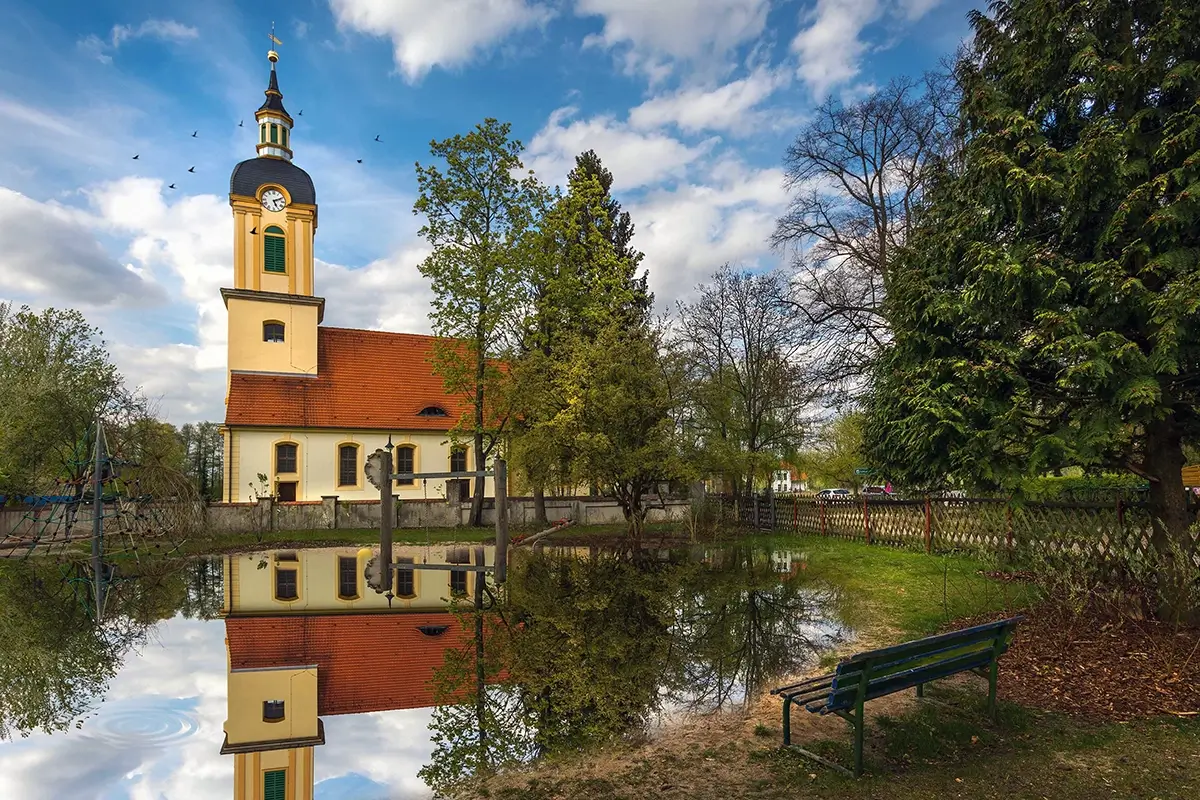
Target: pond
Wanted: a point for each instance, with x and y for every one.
(281, 675)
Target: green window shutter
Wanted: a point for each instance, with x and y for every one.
(275, 784)
(284, 134)
(274, 250)
(262, 133)
(274, 133)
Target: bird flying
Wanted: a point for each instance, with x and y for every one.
(194, 134)
(254, 231)
(191, 169)
(360, 160)
(378, 139)
(135, 158)
(172, 186)
(301, 114)
(240, 121)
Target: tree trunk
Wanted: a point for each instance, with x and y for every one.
(477, 494)
(539, 505)
(1171, 521)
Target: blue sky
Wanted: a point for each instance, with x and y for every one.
(691, 103)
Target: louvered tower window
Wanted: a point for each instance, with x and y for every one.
(274, 249)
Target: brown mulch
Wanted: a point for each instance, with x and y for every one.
(1100, 667)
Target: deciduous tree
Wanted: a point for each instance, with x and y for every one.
(478, 211)
(747, 388)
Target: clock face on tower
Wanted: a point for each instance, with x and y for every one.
(273, 200)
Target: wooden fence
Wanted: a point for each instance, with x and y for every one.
(937, 525)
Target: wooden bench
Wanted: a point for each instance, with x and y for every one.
(877, 673)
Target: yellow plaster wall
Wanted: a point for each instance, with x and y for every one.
(317, 582)
(248, 769)
(297, 353)
(297, 688)
(318, 464)
(299, 225)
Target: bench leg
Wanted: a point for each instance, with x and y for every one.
(787, 721)
(992, 678)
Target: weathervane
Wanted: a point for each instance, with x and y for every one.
(272, 56)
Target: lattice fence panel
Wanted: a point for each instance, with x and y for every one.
(900, 523)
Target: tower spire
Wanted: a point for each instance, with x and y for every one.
(274, 123)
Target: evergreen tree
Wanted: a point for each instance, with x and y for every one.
(1046, 310)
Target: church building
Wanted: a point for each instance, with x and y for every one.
(306, 403)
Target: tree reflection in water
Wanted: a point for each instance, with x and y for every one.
(56, 660)
(588, 648)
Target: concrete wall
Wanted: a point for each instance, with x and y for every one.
(317, 463)
(334, 512)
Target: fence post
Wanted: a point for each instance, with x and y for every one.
(821, 504)
(754, 524)
(795, 514)
(1120, 515)
(1008, 536)
(928, 527)
(866, 519)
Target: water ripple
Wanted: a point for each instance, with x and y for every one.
(143, 726)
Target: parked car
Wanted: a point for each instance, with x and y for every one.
(833, 494)
(875, 490)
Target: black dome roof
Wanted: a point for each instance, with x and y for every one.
(254, 172)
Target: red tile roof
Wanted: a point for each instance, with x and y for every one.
(365, 662)
(365, 379)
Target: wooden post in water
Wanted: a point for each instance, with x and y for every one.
(501, 520)
(98, 520)
(385, 519)
(928, 526)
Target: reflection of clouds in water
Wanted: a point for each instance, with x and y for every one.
(384, 748)
(145, 722)
(157, 734)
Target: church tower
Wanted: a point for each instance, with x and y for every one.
(273, 312)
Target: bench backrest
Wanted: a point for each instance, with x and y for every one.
(890, 669)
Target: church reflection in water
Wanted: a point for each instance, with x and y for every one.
(306, 638)
(579, 646)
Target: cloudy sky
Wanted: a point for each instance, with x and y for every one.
(691, 104)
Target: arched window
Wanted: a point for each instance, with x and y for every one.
(274, 249)
(405, 462)
(348, 465)
(272, 331)
(262, 133)
(285, 458)
(432, 411)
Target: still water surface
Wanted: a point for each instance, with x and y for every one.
(580, 647)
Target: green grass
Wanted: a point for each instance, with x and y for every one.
(935, 751)
(910, 592)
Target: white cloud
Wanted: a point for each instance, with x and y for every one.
(164, 29)
(445, 33)
(636, 158)
(387, 294)
(48, 250)
(688, 232)
(655, 33)
(829, 45)
(731, 107)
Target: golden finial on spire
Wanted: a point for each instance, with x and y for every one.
(272, 56)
